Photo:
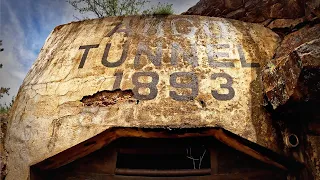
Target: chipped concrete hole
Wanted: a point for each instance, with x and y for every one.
(108, 98)
(203, 103)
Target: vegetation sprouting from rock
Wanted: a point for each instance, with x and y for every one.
(106, 8)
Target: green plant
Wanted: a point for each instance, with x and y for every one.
(4, 108)
(105, 8)
(160, 9)
(3, 90)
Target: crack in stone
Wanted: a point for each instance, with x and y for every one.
(65, 81)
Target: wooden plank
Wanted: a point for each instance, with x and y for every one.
(260, 175)
(158, 173)
(214, 160)
(102, 161)
(108, 136)
(152, 150)
(76, 175)
(160, 178)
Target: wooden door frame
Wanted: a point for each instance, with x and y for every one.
(106, 137)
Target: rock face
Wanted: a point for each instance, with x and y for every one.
(250, 10)
(173, 71)
(294, 73)
(292, 86)
(295, 76)
(258, 11)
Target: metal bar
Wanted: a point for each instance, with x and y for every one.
(149, 172)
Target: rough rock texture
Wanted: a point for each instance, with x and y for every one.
(295, 76)
(292, 87)
(69, 95)
(313, 153)
(3, 152)
(297, 38)
(283, 17)
(285, 23)
(295, 70)
(255, 10)
(249, 10)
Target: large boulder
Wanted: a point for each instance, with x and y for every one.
(295, 76)
(141, 71)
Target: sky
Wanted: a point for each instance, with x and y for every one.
(24, 27)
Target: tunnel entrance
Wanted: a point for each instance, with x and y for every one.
(186, 158)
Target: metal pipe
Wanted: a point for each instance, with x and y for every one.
(292, 140)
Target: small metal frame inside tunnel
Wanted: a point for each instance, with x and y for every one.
(105, 138)
(108, 98)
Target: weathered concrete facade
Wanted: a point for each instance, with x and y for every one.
(141, 71)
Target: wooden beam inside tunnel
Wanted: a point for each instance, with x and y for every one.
(97, 142)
